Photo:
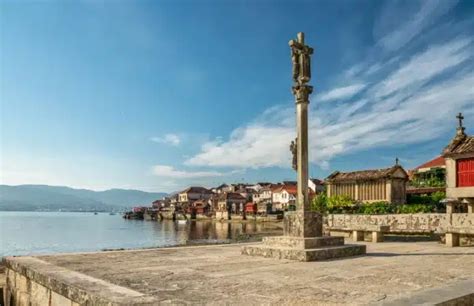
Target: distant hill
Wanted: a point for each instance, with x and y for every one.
(44, 197)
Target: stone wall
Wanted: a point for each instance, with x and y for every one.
(35, 282)
(408, 223)
(22, 291)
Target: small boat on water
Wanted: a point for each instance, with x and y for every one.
(96, 213)
(182, 221)
(112, 213)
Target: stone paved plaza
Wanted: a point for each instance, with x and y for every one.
(220, 274)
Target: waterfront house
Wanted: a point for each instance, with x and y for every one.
(251, 208)
(247, 192)
(263, 195)
(459, 157)
(231, 202)
(263, 199)
(213, 202)
(283, 196)
(192, 194)
(200, 207)
(388, 184)
(173, 200)
(255, 187)
(222, 188)
(161, 203)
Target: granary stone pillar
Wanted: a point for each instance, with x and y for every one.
(356, 191)
(470, 205)
(388, 191)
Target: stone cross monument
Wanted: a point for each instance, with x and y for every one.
(301, 58)
(302, 238)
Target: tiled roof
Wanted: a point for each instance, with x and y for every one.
(460, 144)
(195, 189)
(231, 196)
(317, 181)
(222, 186)
(363, 175)
(291, 189)
(436, 162)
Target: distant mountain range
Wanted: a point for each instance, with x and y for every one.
(53, 198)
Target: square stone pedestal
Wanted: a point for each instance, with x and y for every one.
(303, 241)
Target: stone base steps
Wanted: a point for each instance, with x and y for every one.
(303, 243)
(300, 254)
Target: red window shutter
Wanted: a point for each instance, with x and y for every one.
(465, 172)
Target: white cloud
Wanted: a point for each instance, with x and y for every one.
(171, 139)
(416, 15)
(252, 146)
(341, 92)
(426, 65)
(170, 172)
(410, 104)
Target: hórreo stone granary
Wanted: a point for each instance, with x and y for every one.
(387, 185)
(459, 157)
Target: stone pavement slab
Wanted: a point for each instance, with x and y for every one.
(221, 275)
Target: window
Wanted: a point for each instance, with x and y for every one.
(465, 172)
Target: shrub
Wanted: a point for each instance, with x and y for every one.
(344, 204)
(320, 203)
(437, 196)
(415, 208)
(340, 204)
(376, 208)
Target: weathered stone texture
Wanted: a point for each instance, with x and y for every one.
(414, 223)
(317, 254)
(39, 294)
(220, 275)
(302, 243)
(303, 224)
(31, 282)
(59, 300)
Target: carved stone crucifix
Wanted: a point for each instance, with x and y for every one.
(301, 59)
(294, 152)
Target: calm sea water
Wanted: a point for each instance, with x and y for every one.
(24, 233)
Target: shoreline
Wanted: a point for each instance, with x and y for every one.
(243, 238)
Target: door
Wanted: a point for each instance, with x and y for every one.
(465, 172)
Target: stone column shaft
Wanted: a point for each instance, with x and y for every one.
(302, 132)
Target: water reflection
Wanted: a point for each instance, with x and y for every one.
(214, 231)
(24, 233)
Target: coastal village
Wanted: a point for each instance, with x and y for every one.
(445, 183)
(384, 236)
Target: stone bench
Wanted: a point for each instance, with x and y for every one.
(453, 233)
(359, 230)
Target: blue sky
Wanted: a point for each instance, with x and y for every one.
(159, 95)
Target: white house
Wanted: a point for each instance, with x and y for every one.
(316, 185)
(283, 196)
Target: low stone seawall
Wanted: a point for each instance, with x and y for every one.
(2, 281)
(224, 216)
(31, 281)
(409, 223)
